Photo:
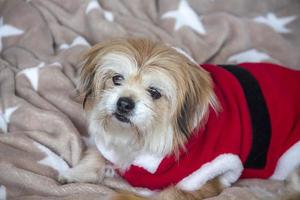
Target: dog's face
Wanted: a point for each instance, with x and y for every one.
(144, 94)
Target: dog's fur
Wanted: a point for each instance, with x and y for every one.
(159, 124)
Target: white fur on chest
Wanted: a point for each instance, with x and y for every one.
(124, 157)
(117, 152)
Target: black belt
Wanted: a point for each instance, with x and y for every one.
(260, 119)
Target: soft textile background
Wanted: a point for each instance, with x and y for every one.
(41, 126)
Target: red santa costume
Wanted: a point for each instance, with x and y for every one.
(256, 135)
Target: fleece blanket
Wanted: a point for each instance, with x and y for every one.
(42, 126)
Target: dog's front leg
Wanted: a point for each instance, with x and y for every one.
(91, 168)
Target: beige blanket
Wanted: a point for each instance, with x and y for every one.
(41, 126)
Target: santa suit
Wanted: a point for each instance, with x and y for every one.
(255, 135)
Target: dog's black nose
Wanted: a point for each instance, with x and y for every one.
(125, 105)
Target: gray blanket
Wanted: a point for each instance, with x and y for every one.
(41, 42)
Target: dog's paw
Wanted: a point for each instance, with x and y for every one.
(62, 179)
(66, 177)
(109, 171)
(74, 175)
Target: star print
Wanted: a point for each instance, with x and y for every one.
(185, 16)
(7, 30)
(52, 160)
(2, 192)
(278, 24)
(108, 16)
(94, 5)
(5, 117)
(77, 41)
(32, 73)
(251, 55)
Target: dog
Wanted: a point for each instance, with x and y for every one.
(179, 130)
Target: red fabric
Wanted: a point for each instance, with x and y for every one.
(230, 130)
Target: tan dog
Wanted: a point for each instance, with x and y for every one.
(143, 98)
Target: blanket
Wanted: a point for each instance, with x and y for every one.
(42, 125)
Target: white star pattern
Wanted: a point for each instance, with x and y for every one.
(32, 73)
(251, 55)
(77, 41)
(185, 16)
(2, 192)
(278, 24)
(94, 5)
(52, 160)
(5, 118)
(7, 30)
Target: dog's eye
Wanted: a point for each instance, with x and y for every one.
(117, 79)
(154, 92)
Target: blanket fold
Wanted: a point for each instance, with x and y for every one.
(42, 126)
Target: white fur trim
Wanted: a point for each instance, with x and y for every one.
(149, 162)
(228, 166)
(287, 162)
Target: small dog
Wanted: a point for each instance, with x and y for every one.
(169, 125)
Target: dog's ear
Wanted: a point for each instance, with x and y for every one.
(86, 85)
(194, 101)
